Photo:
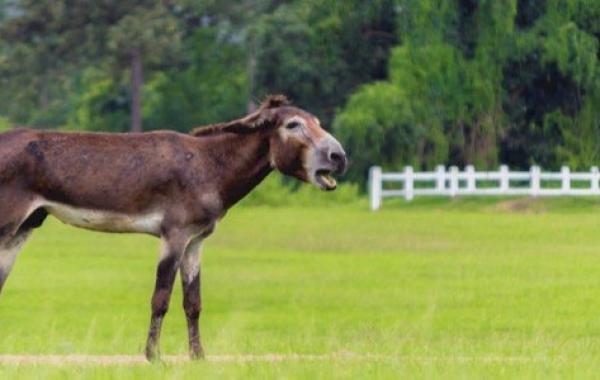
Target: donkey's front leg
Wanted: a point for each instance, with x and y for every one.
(170, 258)
(192, 302)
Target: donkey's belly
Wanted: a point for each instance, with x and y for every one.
(107, 221)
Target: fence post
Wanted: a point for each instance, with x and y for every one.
(565, 175)
(470, 170)
(594, 181)
(375, 187)
(440, 179)
(504, 181)
(409, 184)
(453, 181)
(535, 183)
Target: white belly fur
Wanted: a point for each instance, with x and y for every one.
(105, 220)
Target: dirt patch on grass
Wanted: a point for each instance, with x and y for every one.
(521, 205)
(139, 359)
(249, 358)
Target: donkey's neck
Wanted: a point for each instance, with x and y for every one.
(244, 161)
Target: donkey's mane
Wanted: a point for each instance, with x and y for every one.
(248, 123)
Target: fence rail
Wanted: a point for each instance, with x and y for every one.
(453, 182)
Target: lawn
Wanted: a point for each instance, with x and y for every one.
(436, 288)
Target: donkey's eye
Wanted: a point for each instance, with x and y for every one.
(292, 125)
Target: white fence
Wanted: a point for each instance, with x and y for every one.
(453, 182)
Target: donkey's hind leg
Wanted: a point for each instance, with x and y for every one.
(9, 250)
(17, 219)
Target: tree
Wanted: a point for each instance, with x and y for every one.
(48, 41)
(318, 52)
(549, 79)
(213, 87)
(515, 81)
(377, 126)
(147, 36)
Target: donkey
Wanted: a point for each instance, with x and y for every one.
(170, 185)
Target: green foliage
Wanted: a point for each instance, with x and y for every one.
(377, 127)
(102, 105)
(46, 45)
(483, 82)
(574, 52)
(549, 80)
(149, 28)
(580, 135)
(212, 88)
(317, 51)
(5, 124)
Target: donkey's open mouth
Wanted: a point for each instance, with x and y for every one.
(325, 179)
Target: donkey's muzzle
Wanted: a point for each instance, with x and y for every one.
(329, 159)
(336, 156)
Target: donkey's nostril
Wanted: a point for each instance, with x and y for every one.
(339, 159)
(336, 157)
(334, 154)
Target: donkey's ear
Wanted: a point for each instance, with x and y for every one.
(262, 118)
(266, 115)
(274, 101)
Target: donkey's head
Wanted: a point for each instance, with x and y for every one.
(300, 147)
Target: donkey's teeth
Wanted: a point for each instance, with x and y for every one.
(328, 180)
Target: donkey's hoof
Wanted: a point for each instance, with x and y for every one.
(197, 355)
(152, 356)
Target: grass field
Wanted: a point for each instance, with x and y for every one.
(442, 289)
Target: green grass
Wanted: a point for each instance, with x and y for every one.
(437, 288)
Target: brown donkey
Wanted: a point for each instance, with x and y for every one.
(170, 185)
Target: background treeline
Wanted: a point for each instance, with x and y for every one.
(418, 82)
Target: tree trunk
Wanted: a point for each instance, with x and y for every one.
(137, 80)
(251, 106)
